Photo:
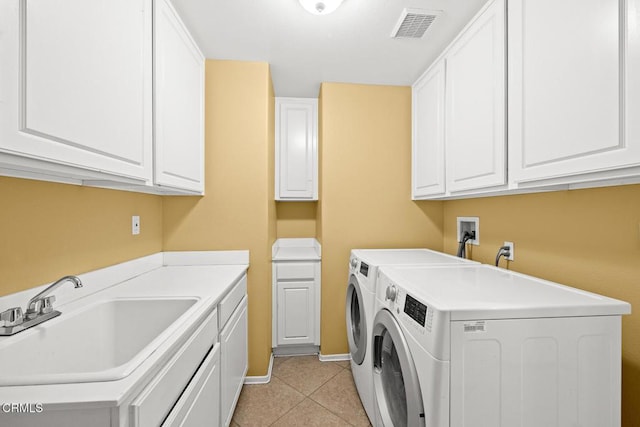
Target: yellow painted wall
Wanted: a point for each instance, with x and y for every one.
(588, 239)
(365, 194)
(237, 211)
(296, 219)
(48, 230)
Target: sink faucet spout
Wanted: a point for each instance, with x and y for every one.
(32, 305)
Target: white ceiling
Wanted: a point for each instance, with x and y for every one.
(351, 45)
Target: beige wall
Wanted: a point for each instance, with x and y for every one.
(365, 194)
(589, 239)
(49, 230)
(296, 219)
(237, 210)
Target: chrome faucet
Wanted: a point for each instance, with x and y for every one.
(39, 309)
(41, 304)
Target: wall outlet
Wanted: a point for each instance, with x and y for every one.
(511, 246)
(469, 224)
(135, 225)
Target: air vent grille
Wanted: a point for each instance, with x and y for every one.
(413, 23)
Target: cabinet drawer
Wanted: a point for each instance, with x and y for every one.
(199, 405)
(231, 301)
(156, 400)
(297, 270)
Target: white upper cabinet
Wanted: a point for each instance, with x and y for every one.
(570, 95)
(106, 93)
(428, 177)
(75, 87)
(459, 113)
(475, 103)
(296, 149)
(178, 102)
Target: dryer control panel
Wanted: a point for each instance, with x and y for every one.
(415, 309)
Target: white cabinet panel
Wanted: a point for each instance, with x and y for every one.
(566, 92)
(632, 77)
(199, 405)
(295, 313)
(233, 361)
(475, 99)
(296, 149)
(179, 103)
(75, 88)
(428, 99)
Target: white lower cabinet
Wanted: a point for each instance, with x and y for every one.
(199, 405)
(296, 323)
(234, 361)
(155, 402)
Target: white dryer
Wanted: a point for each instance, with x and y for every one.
(360, 305)
(481, 346)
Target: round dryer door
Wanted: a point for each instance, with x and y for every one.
(356, 322)
(395, 380)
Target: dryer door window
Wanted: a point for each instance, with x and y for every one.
(356, 322)
(396, 385)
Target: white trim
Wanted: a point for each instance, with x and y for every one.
(206, 258)
(334, 357)
(265, 379)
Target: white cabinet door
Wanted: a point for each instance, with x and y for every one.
(233, 361)
(566, 90)
(296, 308)
(179, 103)
(296, 149)
(475, 98)
(75, 87)
(428, 99)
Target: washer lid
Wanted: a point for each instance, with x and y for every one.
(407, 256)
(486, 292)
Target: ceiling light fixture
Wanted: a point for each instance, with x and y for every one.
(320, 7)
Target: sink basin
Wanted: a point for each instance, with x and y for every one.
(104, 341)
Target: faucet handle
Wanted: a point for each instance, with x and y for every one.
(46, 306)
(11, 317)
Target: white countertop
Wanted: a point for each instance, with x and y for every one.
(154, 276)
(296, 250)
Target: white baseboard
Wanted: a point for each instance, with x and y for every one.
(334, 357)
(265, 379)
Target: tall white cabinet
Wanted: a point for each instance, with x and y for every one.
(296, 149)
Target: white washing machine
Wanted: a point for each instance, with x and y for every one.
(360, 306)
(481, 346)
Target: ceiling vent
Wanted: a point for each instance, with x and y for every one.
(413, 23)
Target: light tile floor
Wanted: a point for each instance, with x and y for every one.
(303, 392)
